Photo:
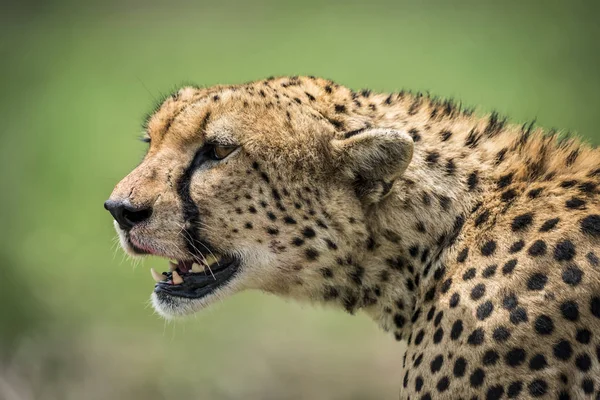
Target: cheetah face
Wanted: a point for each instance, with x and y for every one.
(240, 194)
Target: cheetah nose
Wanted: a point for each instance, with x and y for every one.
(126, 215)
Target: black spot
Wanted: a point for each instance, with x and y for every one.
(445, 135)
(595, 307)
(472, 181)
(438, 318)
(490, 357)
(522, 222)
(327, 272)
(399, 321)
(583, 362)
(460, 366)
(439, 273)
(484, 310)
(331, 244)
(544, 325)
(583, 336)
(570, 310)
(432, 157)
(272, 231)
(462, 256)
(457, 329)
(357, 274)
(419, 337)
(505, 180)
(534, 193)
(572, 275)
(482, 218)
(515, 357)
(538, 362)
(509, 266)
(308, 232)
(508, 195)
(436, 363)
(469, 274)
(438, 335)
(311, 254)
(563, 350)
(488, 248)
(510, 301)
(476, 337)
(518, 315)
(494, 392)
(289, 220)
(248, 225)
(330, 293)
(340, 108)
(454, 300)
(501, 334)
(538, 387)
(587, 385)
(590, 225)
(575, 203)
(443, 384)
(446, 285)
(418, 384)
(514, 389)
(517, 246)
(413, 250)
(489, 271)
(414, 133)
(477, 378)
(478, 291)
(537, 281)
(593, 259)
(538, 248)
(297, 241)
(450, 167)
(549, 224)
(564, 250)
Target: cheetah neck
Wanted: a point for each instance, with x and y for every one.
(418, 226)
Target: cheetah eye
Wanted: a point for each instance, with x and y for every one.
(221, 152)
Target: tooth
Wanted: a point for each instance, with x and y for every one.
(197, 267)
(210, 259)
(157, 277)
(172, 265)
(177, 279)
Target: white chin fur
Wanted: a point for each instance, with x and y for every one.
(172, 307)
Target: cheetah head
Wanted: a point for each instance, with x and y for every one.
(253, 187)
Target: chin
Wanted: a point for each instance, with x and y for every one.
(185, 301)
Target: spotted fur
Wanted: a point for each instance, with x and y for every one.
(475, 241)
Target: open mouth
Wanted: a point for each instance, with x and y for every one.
(195, 279)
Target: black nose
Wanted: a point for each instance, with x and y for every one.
(126, 215)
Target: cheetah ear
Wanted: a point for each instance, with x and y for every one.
(372, 159)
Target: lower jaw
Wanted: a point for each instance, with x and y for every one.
(198, 285)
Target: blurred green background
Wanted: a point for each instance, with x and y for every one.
(77, 77)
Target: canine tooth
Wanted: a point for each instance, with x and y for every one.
(172, 265)
(177, 279)
(156, 276)
(197, 267)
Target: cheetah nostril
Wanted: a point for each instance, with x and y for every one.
(127, 216)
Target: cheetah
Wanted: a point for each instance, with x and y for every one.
(475, 241)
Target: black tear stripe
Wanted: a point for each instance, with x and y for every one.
(191, 213)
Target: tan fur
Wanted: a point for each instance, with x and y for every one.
(401, 205)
